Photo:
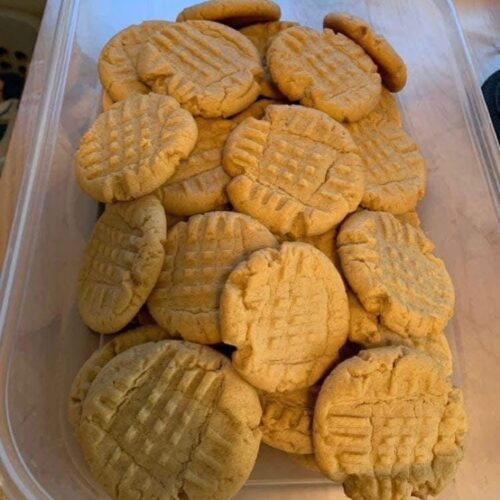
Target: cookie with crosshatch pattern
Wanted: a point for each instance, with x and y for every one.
(99, 358)
(393, 167)
(285, 310)
(388, 424)
(117, 61)
(210, 69)
(295, 170)
(287, 419)
(390, 64)
(199, 255)
(326, 71)
(134, 147)
(121, 263)
(390, 266)
(232, 12)
(181, 412)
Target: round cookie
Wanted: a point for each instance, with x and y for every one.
(307, 461)
(389, 418)
(232, 12)
(99, 358)
(210, 69)
(198, 185)
(295, 170)
(390, 64)
(326, 71)
(134, 147)
(199, 255)
(394, 169)
(364, 329)
(117, 62)
(170, 419)
(121, 263)
(261, 35)
(106, 101)
(286, 313)
(287, 419)
(390, 267)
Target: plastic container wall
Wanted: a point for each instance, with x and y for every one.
(43, 341)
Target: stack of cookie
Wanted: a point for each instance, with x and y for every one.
(260, 225)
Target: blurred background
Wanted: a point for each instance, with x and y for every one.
(19, 24)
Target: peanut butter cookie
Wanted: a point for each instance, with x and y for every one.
(134, 147)
(295, 170)
(286, 313)
(326, 71)
(210, 69)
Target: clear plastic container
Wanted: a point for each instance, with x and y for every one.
(43, 341)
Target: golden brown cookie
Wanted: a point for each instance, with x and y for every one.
(394, 169)
(170, 419)
(198, 185)
(121, 263)
(99, 358)
(261, 35)
(365, 329)
(386, 421)
(106, 101)
(326, 71)
(287, 419)
(390, 267)
(295, 170)
(199, 255)
(307, 461)
(210, 69)
(390, 64)
(118, 58)
(134, 147)
(286, 313)
(233, 12)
